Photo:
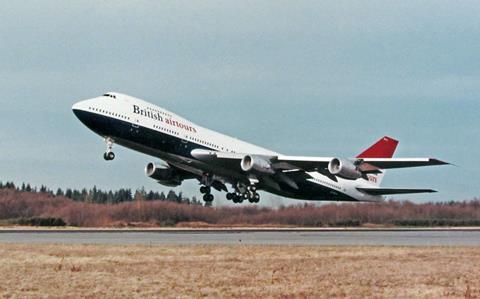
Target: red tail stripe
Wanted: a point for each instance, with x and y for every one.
(384, 148)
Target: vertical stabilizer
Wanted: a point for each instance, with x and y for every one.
(383, 148)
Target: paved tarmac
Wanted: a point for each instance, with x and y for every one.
(251, 237)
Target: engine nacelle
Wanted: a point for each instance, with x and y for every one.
(344, 168)
(163, 175)
(256, 163)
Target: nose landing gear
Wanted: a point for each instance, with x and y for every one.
(109, 155)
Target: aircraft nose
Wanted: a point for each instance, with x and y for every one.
(76, 106)
(79, 108)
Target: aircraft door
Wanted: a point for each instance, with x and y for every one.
(135, 127)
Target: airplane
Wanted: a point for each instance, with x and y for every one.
(188, 151)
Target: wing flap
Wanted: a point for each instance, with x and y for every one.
(390, 191)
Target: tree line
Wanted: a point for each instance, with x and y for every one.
(41, 206)
(42, 209)
(95, 195)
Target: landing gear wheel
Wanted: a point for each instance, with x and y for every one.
(205, 190)
(230, 196)
(108, 156)
(208, 197)
(256, 197)
(237, 197)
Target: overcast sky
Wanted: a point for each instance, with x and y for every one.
(323, 78)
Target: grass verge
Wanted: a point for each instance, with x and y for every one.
(238, 271)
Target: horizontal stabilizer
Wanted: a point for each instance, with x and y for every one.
(390, 191)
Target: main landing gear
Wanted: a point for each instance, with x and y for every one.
(109, 155)
(242, 192)
(206, 189)
(207, 195)
(249, 193)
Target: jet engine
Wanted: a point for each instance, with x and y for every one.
(164, 175)
(344, 168)
(256, 163)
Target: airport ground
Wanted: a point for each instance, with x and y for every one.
(247, 271)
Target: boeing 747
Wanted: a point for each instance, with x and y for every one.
(191, 152)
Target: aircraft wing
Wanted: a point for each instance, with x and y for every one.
(390, 191)
(388, 163)
(282, 162)
(367, 165)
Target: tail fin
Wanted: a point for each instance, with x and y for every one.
(383, 148)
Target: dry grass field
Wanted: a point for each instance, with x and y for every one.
(94, 271)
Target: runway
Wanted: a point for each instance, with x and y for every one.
(248, 237)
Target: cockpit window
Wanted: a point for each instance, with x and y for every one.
(110, 95)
